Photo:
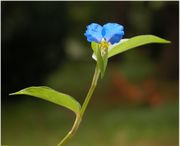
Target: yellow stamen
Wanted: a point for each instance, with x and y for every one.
(103, 45)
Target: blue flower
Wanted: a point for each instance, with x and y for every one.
(110, 32)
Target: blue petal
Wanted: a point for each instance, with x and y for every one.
(112, 32)
(93, 33)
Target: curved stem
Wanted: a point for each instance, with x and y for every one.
(91, 90)
(84, 106)
(72, 131)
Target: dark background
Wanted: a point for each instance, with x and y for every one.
(43, 43)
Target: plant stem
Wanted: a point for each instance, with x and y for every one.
(84, 106)
(72, 131)
(91, 90)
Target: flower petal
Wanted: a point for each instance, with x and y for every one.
(112, 32)
(93, 33)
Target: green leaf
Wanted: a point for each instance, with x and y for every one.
(51, 95)
(135, 42)
(97, 52)
(94, 46)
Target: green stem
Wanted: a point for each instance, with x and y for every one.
(91, 90)
(72, 131)
(84, 106)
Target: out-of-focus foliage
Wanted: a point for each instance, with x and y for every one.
(48, 32)
(44, 124)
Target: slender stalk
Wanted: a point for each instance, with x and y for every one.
(84, 106)
(72, 131)
(91, 90)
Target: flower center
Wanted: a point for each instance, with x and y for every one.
(103, 45)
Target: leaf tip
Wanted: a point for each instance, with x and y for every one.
(16, 93)
(168, 42)
(12, 93)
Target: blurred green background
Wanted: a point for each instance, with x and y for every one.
(136, 103)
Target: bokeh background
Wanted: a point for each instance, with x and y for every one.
(136, 103)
